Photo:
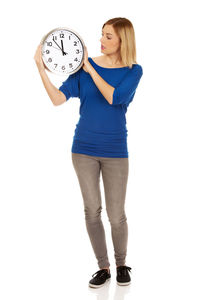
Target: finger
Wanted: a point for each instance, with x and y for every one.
(40, 48)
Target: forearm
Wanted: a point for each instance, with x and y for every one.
(105, 88)
(53, 92)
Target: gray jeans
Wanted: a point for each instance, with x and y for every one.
(115, 176)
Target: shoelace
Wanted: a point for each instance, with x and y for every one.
(124, 269)
(100, 272)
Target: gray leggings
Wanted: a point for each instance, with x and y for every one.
(115, 177)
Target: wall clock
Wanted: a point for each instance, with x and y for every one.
(62, 51)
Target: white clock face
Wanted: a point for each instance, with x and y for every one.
(63, 51)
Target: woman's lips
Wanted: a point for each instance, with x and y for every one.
(102, 47)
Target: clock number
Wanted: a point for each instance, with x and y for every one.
(56, 65)
(70, 65)
(63, 67)
(77, 51)
(75, 43)
(49, 44)
(47, 51)
(62, 35)
(76, 59)
(50, 59)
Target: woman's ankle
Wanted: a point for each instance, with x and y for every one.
(106, 269)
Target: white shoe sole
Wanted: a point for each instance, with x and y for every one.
(97, 286)
(123, 283)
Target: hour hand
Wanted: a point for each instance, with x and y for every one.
(59, 46)
(64, 53)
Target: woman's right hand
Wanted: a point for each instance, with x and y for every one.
(38, 58)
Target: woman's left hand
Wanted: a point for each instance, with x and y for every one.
(85, 60)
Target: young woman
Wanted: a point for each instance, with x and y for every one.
(105, 85)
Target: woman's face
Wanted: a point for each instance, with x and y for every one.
(109, 40)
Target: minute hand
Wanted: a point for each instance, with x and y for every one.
(59, 47)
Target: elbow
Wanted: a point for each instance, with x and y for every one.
(59, 100)
(112, 96)
(110, 101)
(55, 102)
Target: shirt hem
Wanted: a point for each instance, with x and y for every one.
(99, 155)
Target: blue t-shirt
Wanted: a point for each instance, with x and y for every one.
(101, 129)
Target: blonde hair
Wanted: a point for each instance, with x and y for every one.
(125, 31)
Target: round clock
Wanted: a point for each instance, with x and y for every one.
(62, 51)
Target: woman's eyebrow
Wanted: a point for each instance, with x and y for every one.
(107, 33)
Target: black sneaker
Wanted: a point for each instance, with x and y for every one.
(123, 277)
(100, 279)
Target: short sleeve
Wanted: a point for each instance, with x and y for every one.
(71, 86)
(125, 90)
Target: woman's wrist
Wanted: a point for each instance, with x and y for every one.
(41, 70)
(89, 67)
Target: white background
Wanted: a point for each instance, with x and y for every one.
(45, 252)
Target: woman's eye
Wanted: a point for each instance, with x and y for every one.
(107, 37)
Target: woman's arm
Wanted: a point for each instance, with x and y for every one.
(124, 91)
(56, 96)
(105, 88)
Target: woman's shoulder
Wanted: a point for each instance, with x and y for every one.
(100, 61)
(137, 67)
(97, 59)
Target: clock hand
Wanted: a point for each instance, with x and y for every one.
(58, 46)
(52, 46)
(64, 53)
(55, 48)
